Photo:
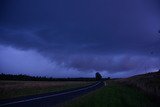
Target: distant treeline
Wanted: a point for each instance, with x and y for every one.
(21, 77)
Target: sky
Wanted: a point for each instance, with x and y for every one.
(77, 38)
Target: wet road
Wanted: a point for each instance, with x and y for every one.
(49, 99)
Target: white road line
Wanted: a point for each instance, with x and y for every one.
(37, 98)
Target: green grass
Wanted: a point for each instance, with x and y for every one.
(149, 83)
(13, 89)
(112, 96)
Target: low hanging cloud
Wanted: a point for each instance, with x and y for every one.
(15, 61)
(114, 63)
(30, 62)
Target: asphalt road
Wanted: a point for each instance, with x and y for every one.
(49, 99)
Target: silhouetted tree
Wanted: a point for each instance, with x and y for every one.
(109, 78)
(98, 76)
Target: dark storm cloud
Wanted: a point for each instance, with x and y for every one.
(22, 39)
(86, 34)
(113, 63)
(97, 25)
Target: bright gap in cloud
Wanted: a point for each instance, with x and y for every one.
(30, 62)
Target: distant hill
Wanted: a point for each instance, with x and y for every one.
(149, 83)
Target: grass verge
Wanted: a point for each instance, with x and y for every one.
(149, 83)
(112, 96)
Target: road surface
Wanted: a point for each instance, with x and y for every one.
(49, 99)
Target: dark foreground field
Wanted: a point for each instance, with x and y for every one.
(112, 96)
(137, 91)
(13, 89)
(149, 83)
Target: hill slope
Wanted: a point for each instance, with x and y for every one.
(149, 83)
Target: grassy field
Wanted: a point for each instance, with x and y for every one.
(149, 83)
(12, 89)
(112, 96)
